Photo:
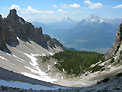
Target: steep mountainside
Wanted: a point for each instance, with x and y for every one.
(14, 26)
(116, 48)
(20, 43)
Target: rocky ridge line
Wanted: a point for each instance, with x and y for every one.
(14, 27)
(114, 55)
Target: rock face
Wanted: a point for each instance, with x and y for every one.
(14, 26)
(116, 48)
(114, 55)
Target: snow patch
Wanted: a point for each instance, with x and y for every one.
(93, 65)
(63, 70)
(48, 67)
(40, 77)
(50, 53)
(43, 54)
(35, 71)
(62, 77)
(101, 20)
(3, 58)
(39, 74)
(17, 38)
(55, 62)
(33, 59)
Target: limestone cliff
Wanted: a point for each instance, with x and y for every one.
(14, 26)
(115, 53)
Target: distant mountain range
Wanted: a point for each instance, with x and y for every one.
(82, 35)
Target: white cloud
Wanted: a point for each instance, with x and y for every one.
(61, 11)
(118, 6)
(55, 6)
(15, 7)
(88, 2)
(74, 5)
(29, 10)
(30, 13)
(93, 5)
(34, 11)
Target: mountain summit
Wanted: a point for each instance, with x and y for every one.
(14, 27)
(92, 18)
(13, 14)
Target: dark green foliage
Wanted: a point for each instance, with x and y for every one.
(112, 60)
(77, 62)
(95, 68)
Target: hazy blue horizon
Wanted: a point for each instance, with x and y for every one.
(56, 10)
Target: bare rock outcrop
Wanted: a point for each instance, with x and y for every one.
(114, 55)
(116, 48)
(14, 26)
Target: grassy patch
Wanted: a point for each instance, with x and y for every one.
(77, 62)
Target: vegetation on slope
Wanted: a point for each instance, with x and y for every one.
(74, 62)
(77, 62)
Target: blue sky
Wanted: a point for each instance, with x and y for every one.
(56, 10)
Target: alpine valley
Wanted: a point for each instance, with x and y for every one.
(31, 61)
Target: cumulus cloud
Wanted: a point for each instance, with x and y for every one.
(29, 10)
(118, 6)
(93, 5)
(15, 7)
(74, 5)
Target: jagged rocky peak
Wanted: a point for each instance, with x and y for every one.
(0, 17)
(12, 14)
(116, 49)
(14, 26)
